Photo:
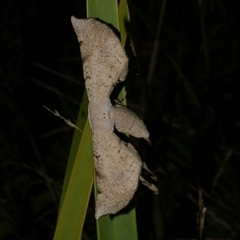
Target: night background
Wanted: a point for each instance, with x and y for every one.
(183, 82)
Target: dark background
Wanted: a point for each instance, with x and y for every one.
(189, 100)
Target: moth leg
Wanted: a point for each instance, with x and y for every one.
(119, 101)
(144, 166)
(149, 185)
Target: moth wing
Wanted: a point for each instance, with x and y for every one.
(118, 168)
(128, 122)
(105, 62)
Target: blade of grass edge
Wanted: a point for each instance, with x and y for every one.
(74, 206)
(81, 120)
(122, 226)
(105, 10)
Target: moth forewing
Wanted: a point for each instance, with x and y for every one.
(105, 62)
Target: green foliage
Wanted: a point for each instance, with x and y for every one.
(190, 104)
(121, 226)
(79, 175)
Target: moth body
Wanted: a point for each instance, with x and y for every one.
(99, 116)
(118, 165)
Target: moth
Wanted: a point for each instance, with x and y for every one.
(117, 163)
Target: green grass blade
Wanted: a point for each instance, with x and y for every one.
(81, 120)
(121, 226)
(79, 174)
(123, 14)
(78, 180)
(75, 202)
(106, 10)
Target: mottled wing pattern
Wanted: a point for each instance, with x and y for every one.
(104, 60)
(117, 173)
(118, 165)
